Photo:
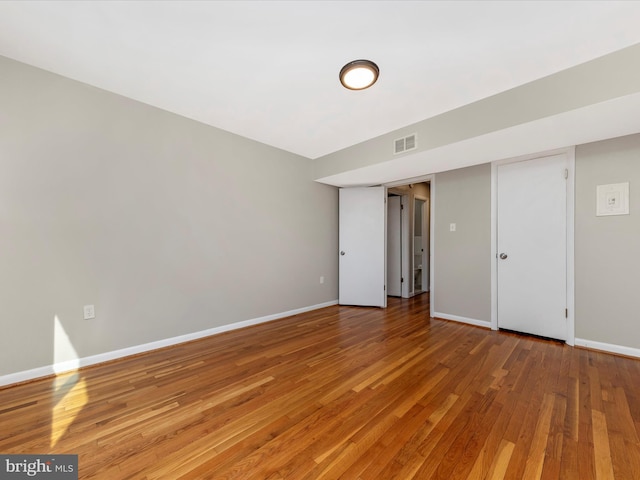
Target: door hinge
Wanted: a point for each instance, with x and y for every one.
(401, 280)
(566, 313)
(385, 288)
(401, 206)
(566, 173)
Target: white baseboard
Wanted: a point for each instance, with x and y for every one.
(608, 347)
(71, 365)
(456, 318)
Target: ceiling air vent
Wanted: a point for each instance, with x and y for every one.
(405, 144)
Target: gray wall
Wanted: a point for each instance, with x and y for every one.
(607, 250)
(166, 225)
(462, 259)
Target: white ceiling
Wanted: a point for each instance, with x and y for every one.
(269, 70)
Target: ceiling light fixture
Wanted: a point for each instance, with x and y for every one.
(359, 74)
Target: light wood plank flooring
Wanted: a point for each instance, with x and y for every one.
(341, 393)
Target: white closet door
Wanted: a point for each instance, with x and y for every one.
(532, 246)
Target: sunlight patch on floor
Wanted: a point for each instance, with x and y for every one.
(67, 409)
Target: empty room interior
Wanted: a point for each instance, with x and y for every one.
(220, 259)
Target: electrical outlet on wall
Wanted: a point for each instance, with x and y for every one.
(89, 312)
(321, 279)
(452, 227)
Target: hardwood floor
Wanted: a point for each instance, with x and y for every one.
(341, 393)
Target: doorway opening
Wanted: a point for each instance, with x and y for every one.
(408, 239)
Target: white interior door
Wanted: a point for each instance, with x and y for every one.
(362, 239)
(532, 246)
(394, 246)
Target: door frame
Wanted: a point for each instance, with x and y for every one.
(426, 226)
(400, 239)
(571, 160)
(406, 246)
(431, 179)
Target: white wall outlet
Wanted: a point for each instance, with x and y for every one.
(452, 227)
(89, 312)
(321, 279)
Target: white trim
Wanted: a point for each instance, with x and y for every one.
(405, 246)
(456, 318)
(406, 181)
(413, 238)
(494, 245)
(569, 152)
(432, 243)
(571, 202)
(608, 347)
(71, 365)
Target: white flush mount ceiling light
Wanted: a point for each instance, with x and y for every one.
(359, 74)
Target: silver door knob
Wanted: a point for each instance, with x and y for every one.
(341, 252)
(503, 256)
